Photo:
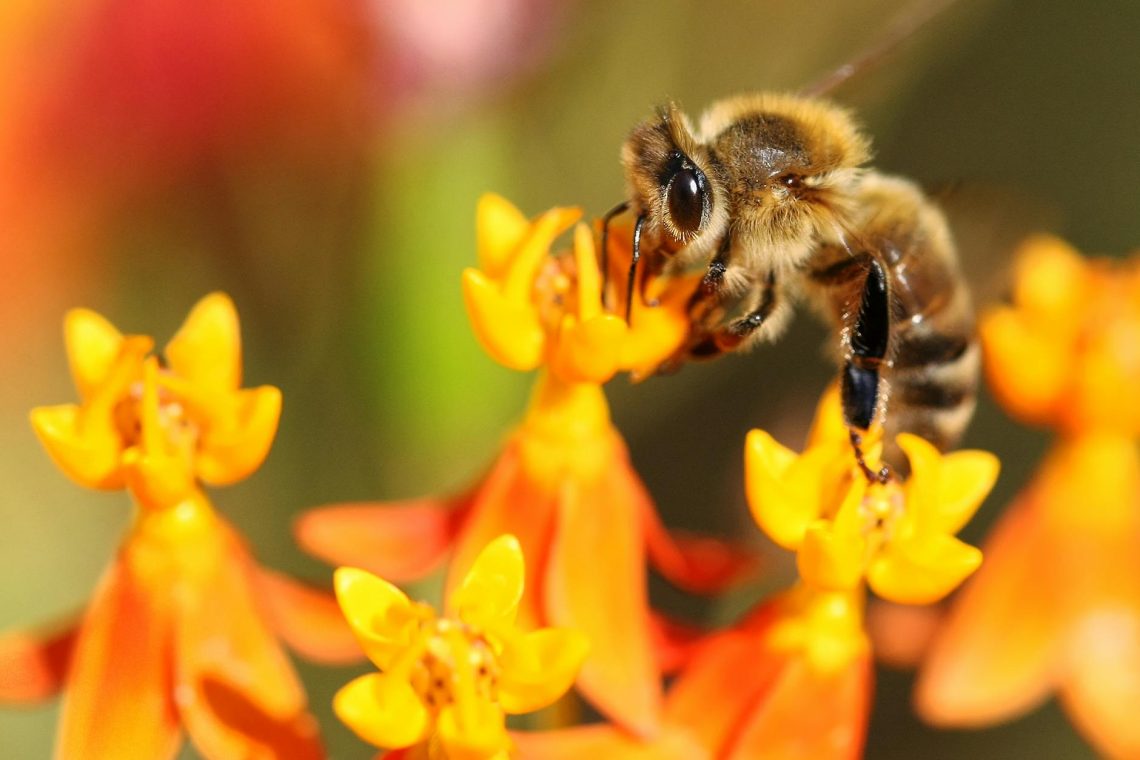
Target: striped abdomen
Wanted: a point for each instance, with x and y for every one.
(931, 367)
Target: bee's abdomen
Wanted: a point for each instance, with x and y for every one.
(931, 371)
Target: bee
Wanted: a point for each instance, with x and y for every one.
(770, 196)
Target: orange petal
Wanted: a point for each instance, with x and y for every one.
(508, 502)
(1101, 689)
(700, 564)
(596, 583)
(93, 345)
(34, 664)
(237, 693)
(1026, 369)
(675, 743)
(674, 641)
(808, 715)
(400, 541)
(230, 452)
(308, 620)
(727, 674)
(118, 702)
(998, 652)
(901, 634)
(206, 350)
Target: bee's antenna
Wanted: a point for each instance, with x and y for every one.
(633, 268)
(605, 255)
(916, 16)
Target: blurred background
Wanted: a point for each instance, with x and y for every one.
(320, 160)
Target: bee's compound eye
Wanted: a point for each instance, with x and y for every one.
(686, 197)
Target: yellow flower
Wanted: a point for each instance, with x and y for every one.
(205, 426)
(452, 679)
(1066, 354)
(897, 536)
(563, 483)
(182, 632)
(529, 309)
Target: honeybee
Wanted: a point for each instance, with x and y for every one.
(769, 195)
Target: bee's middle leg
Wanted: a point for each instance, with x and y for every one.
(860, 382)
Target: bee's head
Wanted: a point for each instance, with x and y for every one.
(671, 181)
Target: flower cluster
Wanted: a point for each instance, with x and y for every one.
(177, 633)
(183, 631)
(1057, 606)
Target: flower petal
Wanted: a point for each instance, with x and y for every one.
(784, 491)
(831, 558)
(1101, 689)
(308, 620)
(1027, 369)
(596, 583)
(507, 329)
(589, 352)
(924, 570)
(34, 664)
(378, 613)
(235, 687)
(382, 710)
(607, 742)
(206, 350)
(93, 345)
(499, 230)
(475, 731)
(539, 667)
(967, 479)
(401, 541)
(782, 725)
(118, 701)
(88, 450)
(700, 564)
(488, 597)
(230, 452)
(997, 653)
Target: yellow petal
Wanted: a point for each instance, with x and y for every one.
(828, 425)
(784, 490)
(589, 278)
(490, 593)
(967, 478)
(230, 452)
(499, 230)
(1027, 369)
(88, 452)
(93, 345)
(1050, 278)
(507, 329)
(156, 479)
(474, 731)
(831, 559)
(539, 667)
(924, 570)
(207, 348)
(590, 351)
(382, 710)
(378, 613)
(534, 249)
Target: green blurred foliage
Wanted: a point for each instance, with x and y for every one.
(346, 277)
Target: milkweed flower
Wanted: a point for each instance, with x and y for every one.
(180, 630)
(563, 483)
(793, 679)
(447, 682)
(1057, 606)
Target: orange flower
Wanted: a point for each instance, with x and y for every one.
(180, 631)
(1056, 608)
(563, 483)
(791, 681)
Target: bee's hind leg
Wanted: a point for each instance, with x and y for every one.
(860, 382)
